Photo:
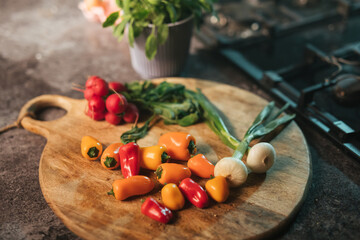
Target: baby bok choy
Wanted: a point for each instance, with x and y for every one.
(260, 157)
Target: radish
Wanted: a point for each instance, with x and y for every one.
(131, 113)
(96, 104)
(91, 81)
(117, 86)
(98, 85)
(112, 118)
(97, 116)
(88, 93)
(116, 103)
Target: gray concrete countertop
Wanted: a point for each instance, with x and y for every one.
(45, 46)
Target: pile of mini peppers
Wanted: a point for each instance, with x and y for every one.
(174, 176)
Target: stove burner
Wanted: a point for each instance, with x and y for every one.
(342, 64)
(347, 89)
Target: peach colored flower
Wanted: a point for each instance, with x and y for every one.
(97, 10)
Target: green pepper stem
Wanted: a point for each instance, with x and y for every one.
(192, 147)
(111, 192)
(158, 172)
(164, 157)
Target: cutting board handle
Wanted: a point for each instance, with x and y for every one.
(27, 116)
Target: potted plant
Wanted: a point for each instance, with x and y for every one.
(159, 32)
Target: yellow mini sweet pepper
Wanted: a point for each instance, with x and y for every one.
(218, 188)
(91, 148)
(172, 197)
(152, 157)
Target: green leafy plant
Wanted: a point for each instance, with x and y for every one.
(138, 14)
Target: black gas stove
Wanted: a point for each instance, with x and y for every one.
(305, 52)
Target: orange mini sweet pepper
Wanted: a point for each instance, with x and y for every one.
(152, 157)
(172, 173)
(110, 157)
(179, 145)
(131, 186)
(201, 166)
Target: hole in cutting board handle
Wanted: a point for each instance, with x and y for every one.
(50, 113)
(41, 108)
(45, 108)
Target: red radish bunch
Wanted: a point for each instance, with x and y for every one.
(116, 103)
(96, 89)
(131, 113)
(105, 101)
(96, 104)
(97, 116)
(96, 86)
(113, 118)
(117, 87)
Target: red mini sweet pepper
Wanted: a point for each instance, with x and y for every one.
(156, 211)
(194, 193)
(129, 159)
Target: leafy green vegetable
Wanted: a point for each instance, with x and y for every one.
(136, 133)
(183, 114)
(168, 101)
(177, 105)
(141, 13)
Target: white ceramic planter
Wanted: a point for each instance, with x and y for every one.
(171, 56)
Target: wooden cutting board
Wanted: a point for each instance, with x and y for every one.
(76, 189)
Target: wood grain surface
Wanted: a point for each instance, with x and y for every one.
(75, 188)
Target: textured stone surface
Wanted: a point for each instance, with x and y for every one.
(45, 46)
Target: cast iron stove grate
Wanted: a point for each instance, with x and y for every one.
(303, 52)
